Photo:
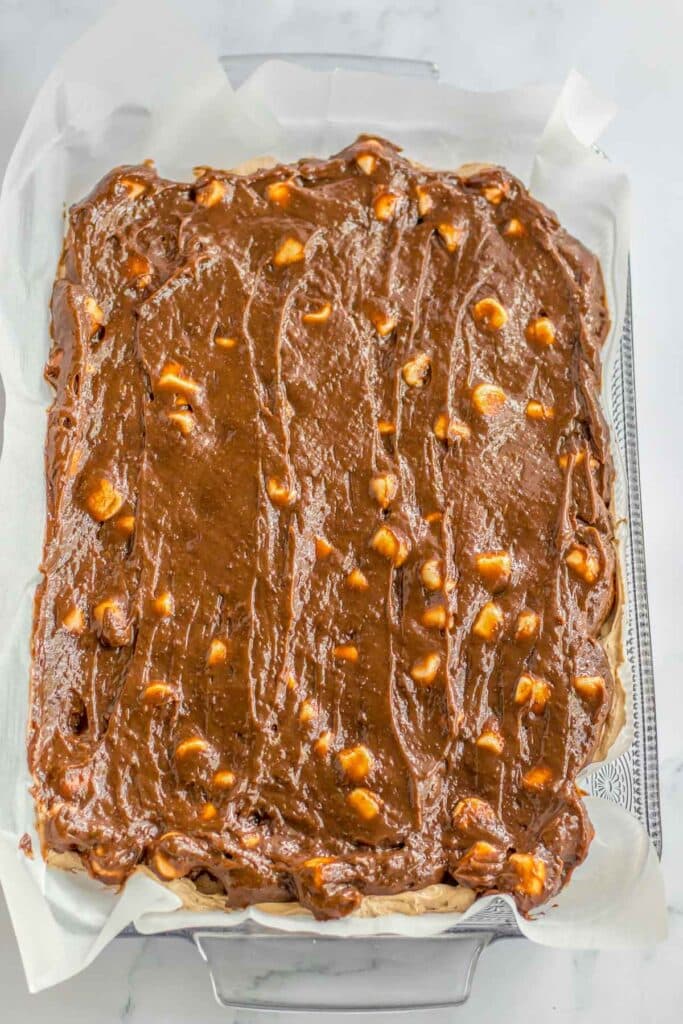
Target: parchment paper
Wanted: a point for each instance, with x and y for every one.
(140, 84)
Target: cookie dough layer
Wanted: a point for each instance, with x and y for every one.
(329, 549)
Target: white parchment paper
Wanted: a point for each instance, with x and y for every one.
(118, 97)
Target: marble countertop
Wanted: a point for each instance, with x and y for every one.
(630, 50)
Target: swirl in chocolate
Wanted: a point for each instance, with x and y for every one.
(328, 549)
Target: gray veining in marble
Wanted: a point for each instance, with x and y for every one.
(631, 50)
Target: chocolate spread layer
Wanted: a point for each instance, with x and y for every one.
(328, 548)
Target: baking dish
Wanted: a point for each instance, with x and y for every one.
(260, 968)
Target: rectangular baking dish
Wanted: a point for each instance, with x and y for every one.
(252, 967)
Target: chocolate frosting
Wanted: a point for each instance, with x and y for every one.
(328, 548)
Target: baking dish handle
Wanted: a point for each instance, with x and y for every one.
(280, 971)
(240, 65)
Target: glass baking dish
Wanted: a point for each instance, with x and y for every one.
(253, 967)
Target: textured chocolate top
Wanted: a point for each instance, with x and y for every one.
(328, 546)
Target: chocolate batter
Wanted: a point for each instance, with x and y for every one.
(328, 546)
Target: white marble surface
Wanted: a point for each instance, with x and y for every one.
(631, 50)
